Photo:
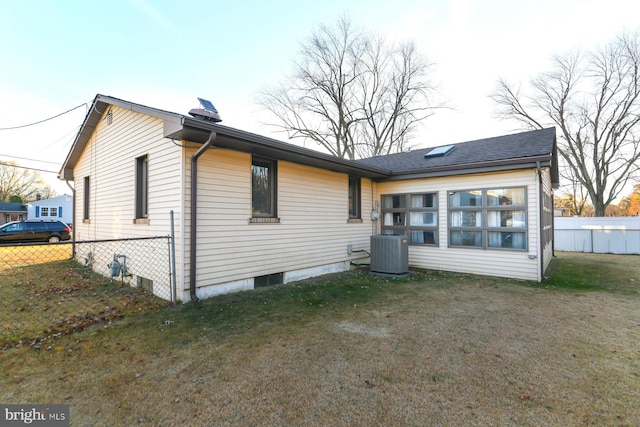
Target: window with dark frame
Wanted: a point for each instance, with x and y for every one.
(494, 218)
(86, 197)
(354, 198)
(263, 188)
(142, 187)
(412, 215)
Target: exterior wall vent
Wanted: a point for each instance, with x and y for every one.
(390, 254)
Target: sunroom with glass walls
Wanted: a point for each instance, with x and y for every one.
(412, 215)
(489, 218)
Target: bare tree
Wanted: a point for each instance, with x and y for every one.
(575, 194)
(593, 100)
(352, 93)
(23, 184)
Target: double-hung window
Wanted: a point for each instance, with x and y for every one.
(488, 218)
(263, 188)
(354, 198)
(414, 215)
(86, 198)
(142, 187)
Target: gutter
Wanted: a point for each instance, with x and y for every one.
(194, 215)
(540, 221)
(469, 168)
(195, 130)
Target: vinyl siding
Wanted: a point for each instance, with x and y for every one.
(313, 231)
(515, 264)
(312, 204)
(548, 224)
(109, 162)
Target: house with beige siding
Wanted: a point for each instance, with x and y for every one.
(251, 211)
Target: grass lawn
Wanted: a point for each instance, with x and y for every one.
(354, 349)
(58, 296)
(15, 256)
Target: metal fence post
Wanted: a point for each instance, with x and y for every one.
(174, 296)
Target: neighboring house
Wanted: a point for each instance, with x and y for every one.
(57, 208)
(12, 212)
(251, 211)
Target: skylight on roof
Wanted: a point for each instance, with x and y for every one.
(440, 151)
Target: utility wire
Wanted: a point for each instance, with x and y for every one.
(32, 160)
(24, 167)
(45, 120)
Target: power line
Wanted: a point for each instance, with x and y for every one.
(24, 167)
(32, 160)
(45, 120)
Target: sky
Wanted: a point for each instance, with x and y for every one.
(56, 55)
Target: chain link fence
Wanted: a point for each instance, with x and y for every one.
(47, 290)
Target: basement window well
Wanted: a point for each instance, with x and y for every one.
(268, 280)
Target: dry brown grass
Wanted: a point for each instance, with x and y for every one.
(357, 350)
(17, 256)
(45, 299)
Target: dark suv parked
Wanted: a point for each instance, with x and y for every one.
(34, 231)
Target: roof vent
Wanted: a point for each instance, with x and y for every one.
(440, 151)
(208, 112)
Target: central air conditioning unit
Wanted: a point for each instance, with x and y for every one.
(389, 254)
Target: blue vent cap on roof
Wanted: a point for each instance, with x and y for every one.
(440, 151)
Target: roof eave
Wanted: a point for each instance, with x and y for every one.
(196, 130)
(471, 168)
(99, 106)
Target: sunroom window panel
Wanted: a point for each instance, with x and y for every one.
(506, 218)
(425, 219)
(394, 202)
(506, 197)
(412, 215)
(465, 198)
(466, 219)
(466, 238)
(423, 201)
(507, 239)
(424, 237)
(395, 219)
(391, 232)
(489, 218)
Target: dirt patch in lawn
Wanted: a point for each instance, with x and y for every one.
(359, 350)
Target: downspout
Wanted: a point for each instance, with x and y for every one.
(541, 221)
(73, 219)
(194, 215)
(553, 225)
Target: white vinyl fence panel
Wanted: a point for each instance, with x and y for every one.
(616, 235)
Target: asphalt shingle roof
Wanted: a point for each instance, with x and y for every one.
(12, 207)
(517, 146)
